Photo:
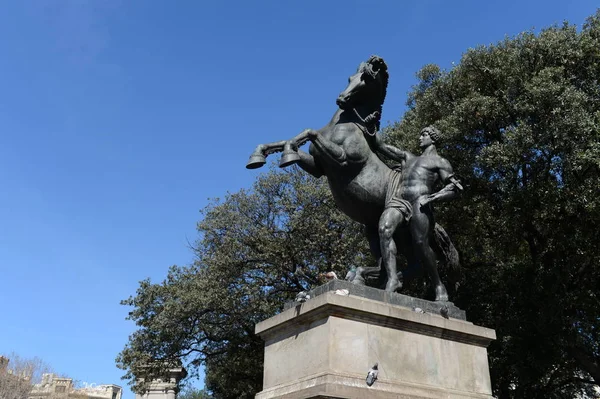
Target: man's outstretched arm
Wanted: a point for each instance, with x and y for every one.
(389, 151)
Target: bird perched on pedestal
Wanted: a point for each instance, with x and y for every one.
(372, 374)
(444, 311)
(351, 274)
(302, 296)
(329, 276)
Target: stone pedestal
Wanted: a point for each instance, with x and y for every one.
(165, 387)
(324, 348)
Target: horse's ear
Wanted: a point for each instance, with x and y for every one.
(377, 63)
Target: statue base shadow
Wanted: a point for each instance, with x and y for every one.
(324, 348)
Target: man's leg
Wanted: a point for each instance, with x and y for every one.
(389, 221)
(421, 229)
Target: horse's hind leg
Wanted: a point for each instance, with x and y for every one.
(378, 272)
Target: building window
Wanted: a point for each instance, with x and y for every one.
(60, 389)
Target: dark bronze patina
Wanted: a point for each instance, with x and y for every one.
(393, 206)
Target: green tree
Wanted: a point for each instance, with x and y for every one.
(522, 119)
(522, 124)
(193, 393)
(256, 250)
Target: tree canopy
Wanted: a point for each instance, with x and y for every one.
(257, 249)
(193, 393)
(522, 129)
(522, 124)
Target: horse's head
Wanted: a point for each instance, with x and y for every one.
(367, 85)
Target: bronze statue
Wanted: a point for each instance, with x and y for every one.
(409, 194)
(362, 184)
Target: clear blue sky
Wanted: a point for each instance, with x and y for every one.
(119, 119)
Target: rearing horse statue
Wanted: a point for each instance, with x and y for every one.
(344, 151)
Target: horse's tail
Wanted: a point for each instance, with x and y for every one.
(447, 254)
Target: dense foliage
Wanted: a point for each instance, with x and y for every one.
(193, 393)
(522, 124)
(257, 250)
(522, 120)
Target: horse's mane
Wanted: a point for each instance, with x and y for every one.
(376, 67)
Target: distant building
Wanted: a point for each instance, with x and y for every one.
(17, 383)
(54, 387)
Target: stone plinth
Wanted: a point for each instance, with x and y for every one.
(165, 387)
(324, 348)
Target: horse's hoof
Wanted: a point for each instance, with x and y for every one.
(256, 161)
(358, 281)
(393, 285)
(441, 295)
(289, 158)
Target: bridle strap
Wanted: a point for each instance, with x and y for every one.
(371, 119)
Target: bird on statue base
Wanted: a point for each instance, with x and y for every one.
(372, 374)
(351, 274)
(444, 311)
(302, 296)
(329, 276)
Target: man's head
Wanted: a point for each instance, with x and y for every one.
(429, 135)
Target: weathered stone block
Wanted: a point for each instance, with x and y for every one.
(324, 348)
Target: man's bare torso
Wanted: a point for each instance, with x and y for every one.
(420, 174)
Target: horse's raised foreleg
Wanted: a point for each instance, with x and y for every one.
(291, 154)
(308, 164)
(328, 148)
(259, 157)
(290, 150)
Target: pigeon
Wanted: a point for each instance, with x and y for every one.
(372, 375)
(351, 274)
(302, 296)
(444, 311)
(342, 292)
(330, 276)
(418, 310)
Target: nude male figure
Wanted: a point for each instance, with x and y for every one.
(407, 204)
